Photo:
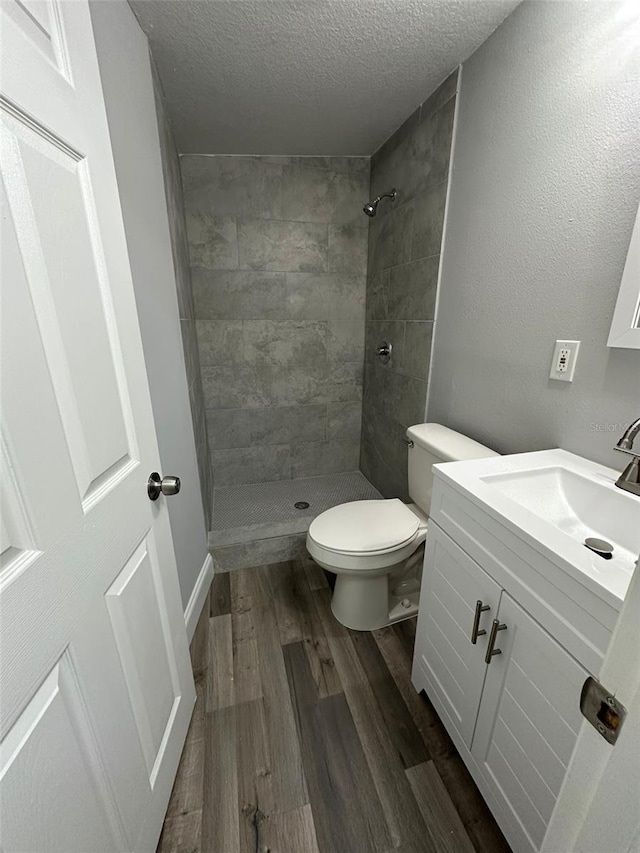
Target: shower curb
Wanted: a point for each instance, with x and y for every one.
(259, 552)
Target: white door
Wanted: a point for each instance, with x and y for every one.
(95, 684)
(528, 723)
(452, 584)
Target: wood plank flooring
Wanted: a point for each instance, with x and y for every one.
(310, 738)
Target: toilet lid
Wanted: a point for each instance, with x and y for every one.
(363, 526)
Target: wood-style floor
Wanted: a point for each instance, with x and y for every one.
(310, 738)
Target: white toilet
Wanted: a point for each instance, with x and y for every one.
(375, 547)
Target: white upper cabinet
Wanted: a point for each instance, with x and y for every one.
(625, 325)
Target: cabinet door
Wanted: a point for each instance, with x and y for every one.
(452, 665)
(528, 722)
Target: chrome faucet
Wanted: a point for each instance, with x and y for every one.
(629, 480)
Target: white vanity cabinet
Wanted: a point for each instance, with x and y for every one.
(515, 718)
(455, 666)
(528, 719)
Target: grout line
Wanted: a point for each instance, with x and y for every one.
(351, 224)
(287, 272)
(297, 156)
(301, 406)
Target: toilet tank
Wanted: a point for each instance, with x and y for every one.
(433, 443)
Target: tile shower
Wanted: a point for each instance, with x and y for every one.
(403, 264)
(289, 278)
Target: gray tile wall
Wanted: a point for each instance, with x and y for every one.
(278, 254)
(177, 226)
(403, 265)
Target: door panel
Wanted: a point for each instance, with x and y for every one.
(39, 22)
(518, 722)
(521, 808)
(451, 584)
(96, 682)
(139, 623)
(528, 721)
(524, 768)
(46, 743)
(16, 536)
(43, 177)
(529, 677)
(35, 508)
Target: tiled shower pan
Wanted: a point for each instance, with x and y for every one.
(258, 524)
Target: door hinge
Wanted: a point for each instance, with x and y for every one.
(605, 713)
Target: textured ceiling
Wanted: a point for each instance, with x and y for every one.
(305, 76)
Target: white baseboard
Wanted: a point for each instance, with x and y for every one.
(198, 595)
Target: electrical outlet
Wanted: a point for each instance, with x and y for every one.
(563, 363)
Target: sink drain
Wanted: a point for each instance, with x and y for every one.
(600, 547)
(301, 505)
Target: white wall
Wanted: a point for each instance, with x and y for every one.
(544, 190)
(128, 89)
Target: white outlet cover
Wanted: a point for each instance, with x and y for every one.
(566, 374)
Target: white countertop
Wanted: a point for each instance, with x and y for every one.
(553, 499)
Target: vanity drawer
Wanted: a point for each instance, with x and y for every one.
(579, 620)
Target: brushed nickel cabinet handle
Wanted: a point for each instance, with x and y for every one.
(495, 627)
(475, 632)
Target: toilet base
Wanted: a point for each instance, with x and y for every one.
(372, 602)
(361, 603)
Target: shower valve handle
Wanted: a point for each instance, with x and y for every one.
(384, 351)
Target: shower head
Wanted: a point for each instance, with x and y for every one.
(371, 207)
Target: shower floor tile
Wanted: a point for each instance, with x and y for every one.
(265, 510)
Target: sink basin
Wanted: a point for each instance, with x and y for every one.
(580, 506)
(556, 500)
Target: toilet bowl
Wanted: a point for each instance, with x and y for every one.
(368, 545)
(375, 548)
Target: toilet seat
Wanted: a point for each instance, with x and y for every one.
(365, 528)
